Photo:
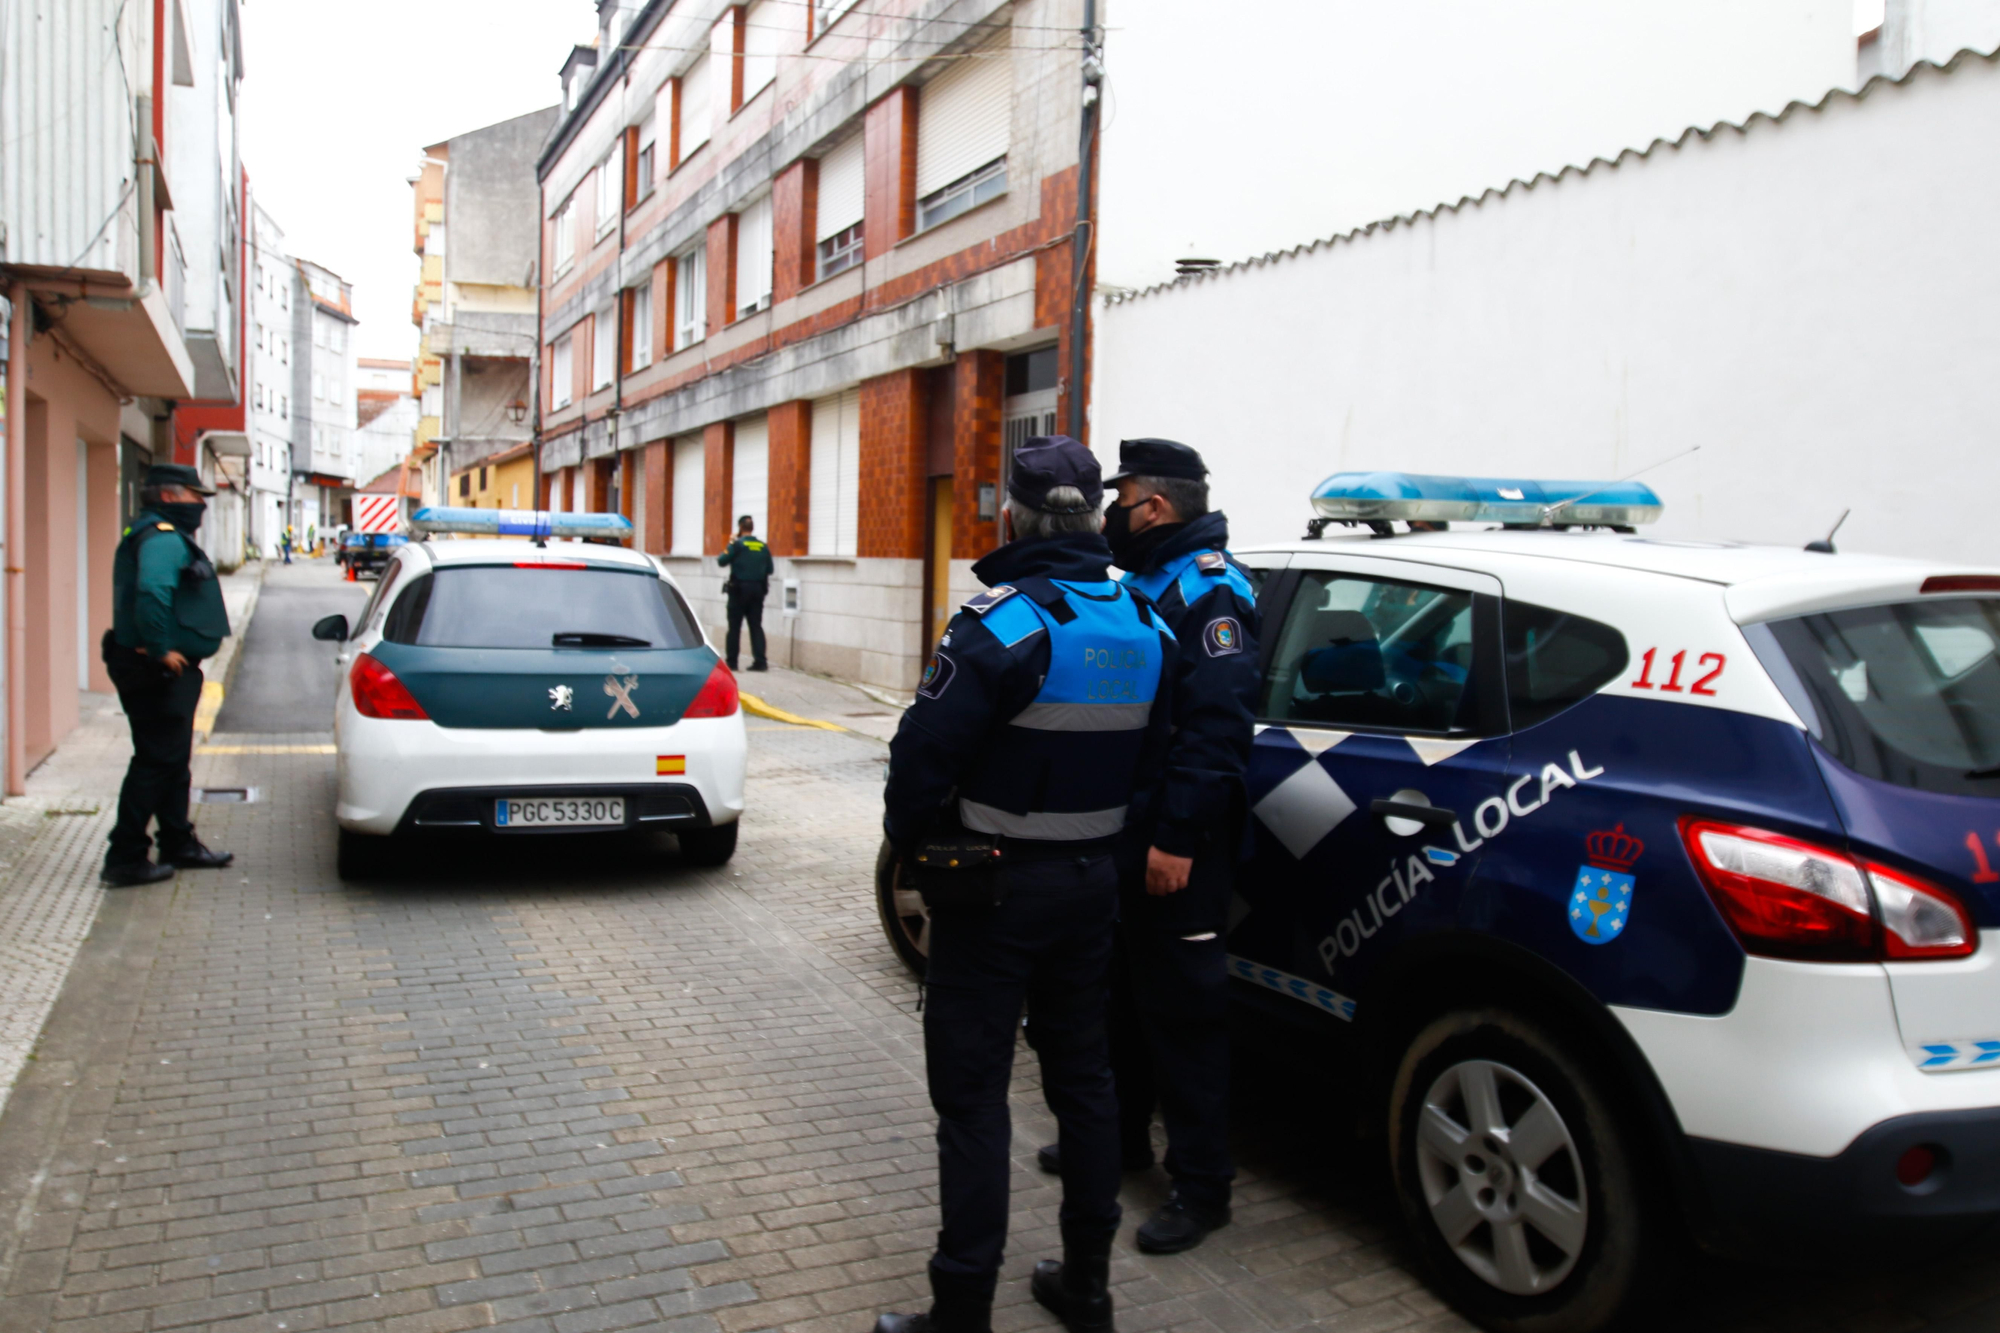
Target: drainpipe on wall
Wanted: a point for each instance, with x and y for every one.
(535, 380)
(16, 530)
(1084, 238)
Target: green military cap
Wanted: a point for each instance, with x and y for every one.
(177, 474)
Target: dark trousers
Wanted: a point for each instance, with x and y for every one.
(746, 603)
(1170, 1028)
(160, 709)
(1048, 946)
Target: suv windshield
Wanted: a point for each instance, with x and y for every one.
(507, 607)
(1907, 693)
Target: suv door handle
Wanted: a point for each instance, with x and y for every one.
(1437, 816)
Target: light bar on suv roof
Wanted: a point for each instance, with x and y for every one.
(1379, 497)
(539, 524)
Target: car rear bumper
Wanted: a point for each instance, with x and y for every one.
(391, 773)
(1761, 1196)
(667, 805)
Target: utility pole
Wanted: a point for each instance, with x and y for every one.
(1084, 238)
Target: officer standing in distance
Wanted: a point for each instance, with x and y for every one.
(1047, 698)
(1169, 1009)
(167, 615)
(749, 563)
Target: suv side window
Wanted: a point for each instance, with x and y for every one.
(1375, 653)
(387, 580)
(1555, 660)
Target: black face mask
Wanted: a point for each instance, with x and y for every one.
(1118, 526)
(185, 516)
(1130, 550)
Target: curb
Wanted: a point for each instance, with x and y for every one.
(226, 661)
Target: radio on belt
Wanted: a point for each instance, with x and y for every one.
(536, 524)
(1377, 498)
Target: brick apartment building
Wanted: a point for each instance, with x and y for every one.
(811, 261)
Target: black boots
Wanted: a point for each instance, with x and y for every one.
(960, 1303)
(191, 855)
(134, 874)
(1076, 1289)
(1180, 1225)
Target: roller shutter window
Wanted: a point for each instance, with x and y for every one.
(691, 286)
(648, 161)
(963, 119)
(763, 24)
(603, 348)
(834, 507)
(754, 257)
(562, 371)
(697, 106)
(841, 203)
(750, 483)
(690, 465)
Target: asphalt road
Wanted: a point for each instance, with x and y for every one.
(286, 679)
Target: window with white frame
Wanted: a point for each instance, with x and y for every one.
(565, 239)
(833, 510)
(690, 298)
(697, 107)
(764, 22)
(841, 194)
(603, 348)
(642, 326)
(643, 184)
(754, 257)
(690, 494)
(750, 473)
(610, 173)
(826, 11)
(964, 117)
(562, 371)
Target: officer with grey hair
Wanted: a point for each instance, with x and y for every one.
(1010, 777)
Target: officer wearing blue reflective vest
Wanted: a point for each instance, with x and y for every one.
(1049, 695)
(1169, 1008)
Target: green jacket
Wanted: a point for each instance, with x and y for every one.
(164, 593)
(749, 560)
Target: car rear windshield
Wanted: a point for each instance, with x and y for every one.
(503, 606)
(1909, 692)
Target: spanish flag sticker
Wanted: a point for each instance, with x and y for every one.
(670, 763)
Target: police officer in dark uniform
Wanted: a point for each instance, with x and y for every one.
(167, 615)
(749, 563)
(1169, 1014)
(1048, 697)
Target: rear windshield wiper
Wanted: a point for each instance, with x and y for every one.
(586, 639)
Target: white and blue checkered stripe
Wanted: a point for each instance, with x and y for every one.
(1938, 1057)
(1340, 1006)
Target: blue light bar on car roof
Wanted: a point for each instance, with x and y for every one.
(1376, 497)
(540, 524)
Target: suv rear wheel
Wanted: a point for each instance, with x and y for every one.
(1519, 1178)
(359, 856)
(905, 920)
(708, 846)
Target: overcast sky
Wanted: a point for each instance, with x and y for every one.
(339, 101)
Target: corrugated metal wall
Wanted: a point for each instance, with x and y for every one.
(69, 84)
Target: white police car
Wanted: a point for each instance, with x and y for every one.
(512, 688)
(1653, 886)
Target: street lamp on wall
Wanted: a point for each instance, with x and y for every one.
(517, 412)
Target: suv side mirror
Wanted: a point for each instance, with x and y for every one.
(333, 628)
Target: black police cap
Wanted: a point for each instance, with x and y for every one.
(177, 474)
(1158, 458)
(1048, 461)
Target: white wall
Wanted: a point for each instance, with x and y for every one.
(1814, 302)
(1933, 30)
(1229, 133)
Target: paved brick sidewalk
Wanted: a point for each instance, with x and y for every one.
(568, 1086)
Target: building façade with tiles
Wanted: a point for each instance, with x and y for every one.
(811, 260)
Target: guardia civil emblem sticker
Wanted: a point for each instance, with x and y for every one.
(1601, 904)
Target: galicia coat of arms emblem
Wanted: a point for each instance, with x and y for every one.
(1600, 905)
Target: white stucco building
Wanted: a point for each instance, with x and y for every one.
(323, 418)
(271, 280)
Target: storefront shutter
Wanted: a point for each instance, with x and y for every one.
(963, 118)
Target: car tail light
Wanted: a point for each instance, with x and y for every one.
(377, 692)
(716, 697)
(1961, 583)
(1919, 920)
(1786, 898)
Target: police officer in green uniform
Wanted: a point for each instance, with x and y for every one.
(749, 563)
(167, 615)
